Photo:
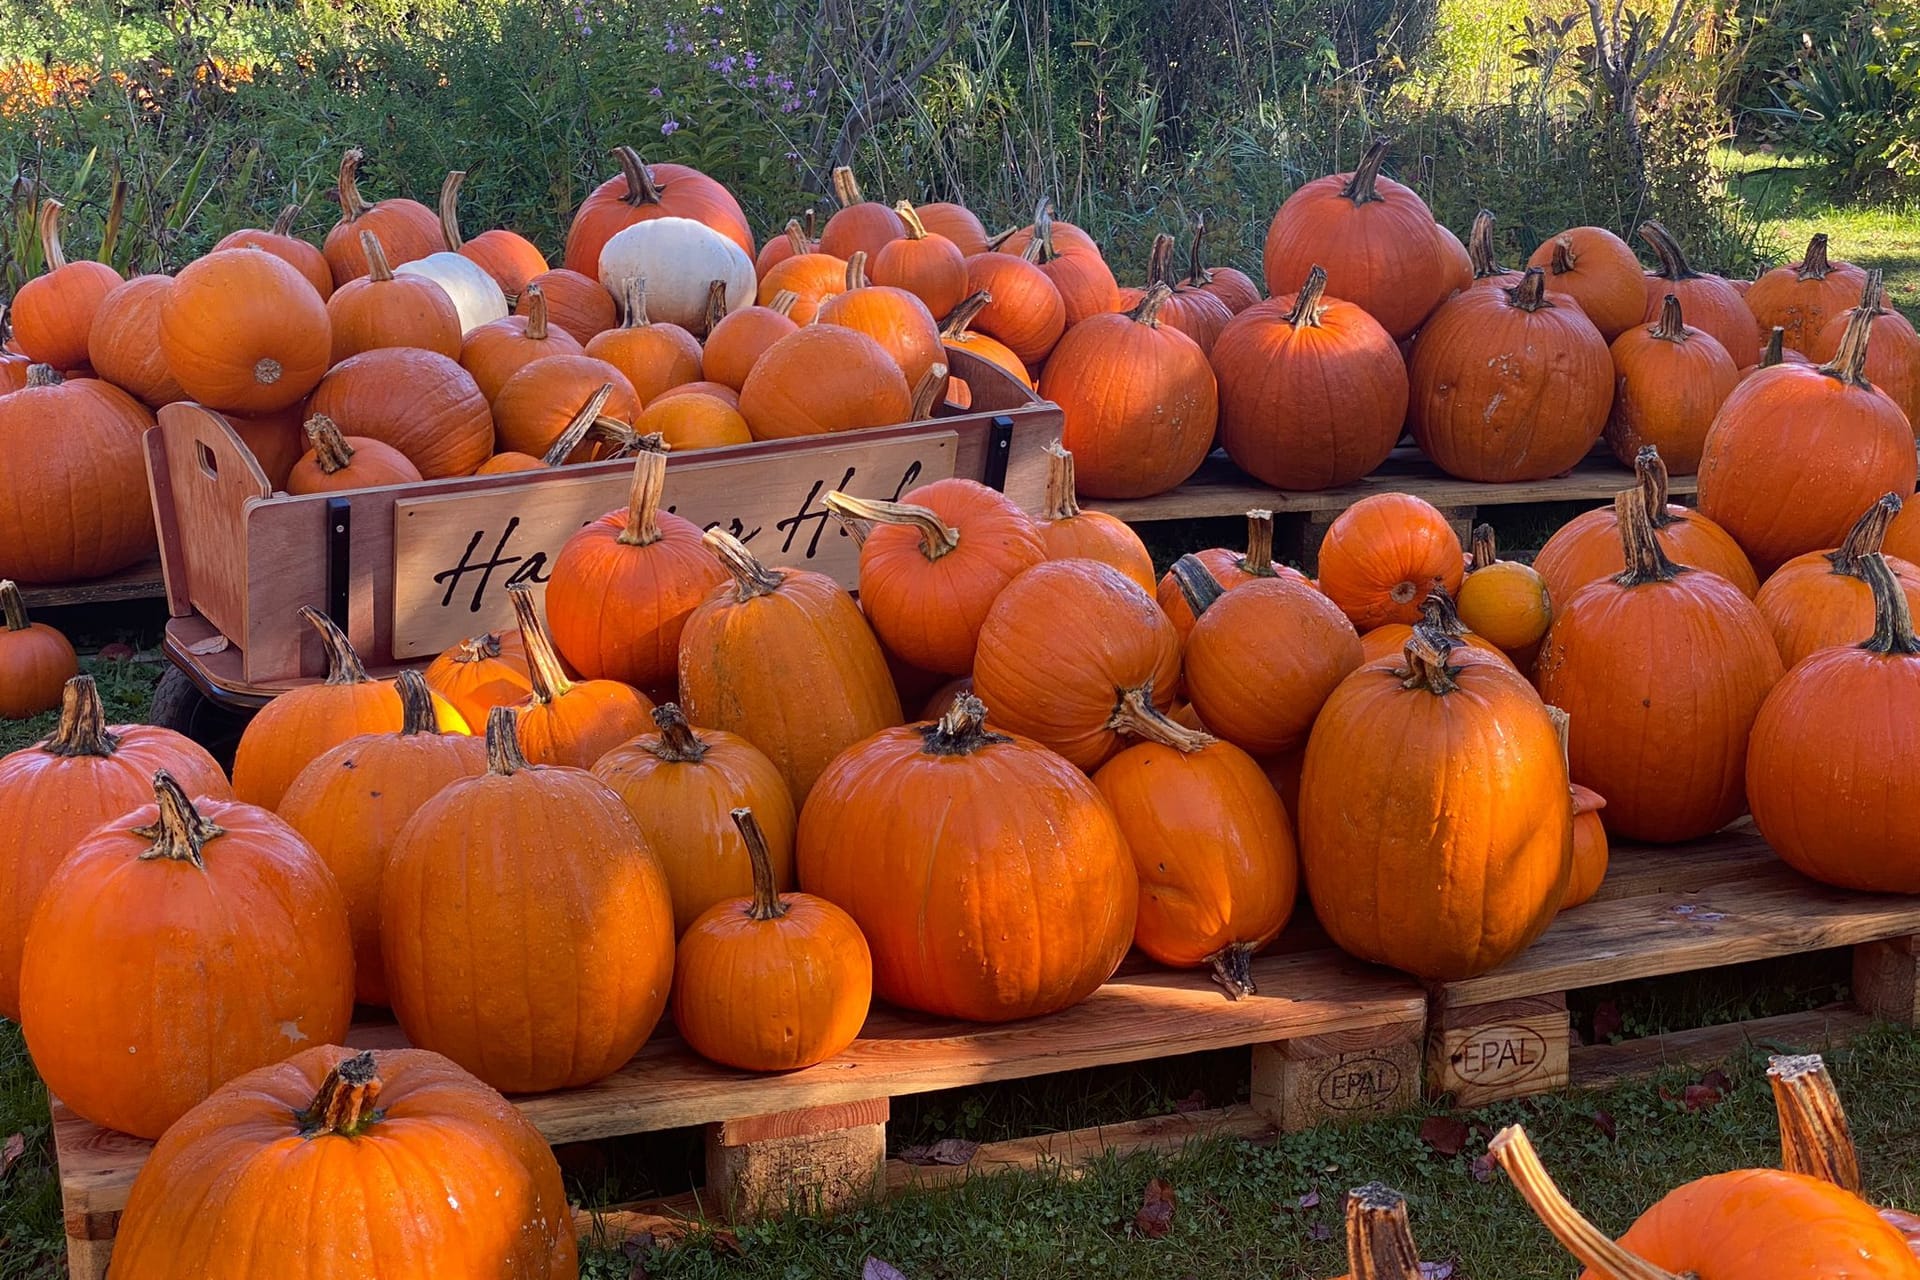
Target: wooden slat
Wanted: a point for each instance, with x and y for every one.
(1600, 1065)
(142, 581)
(1637, 870)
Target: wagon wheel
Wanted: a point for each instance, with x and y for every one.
(179, 705)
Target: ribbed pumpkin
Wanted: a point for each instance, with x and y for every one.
(956, 335)
(573, 302)
(800, 235)
(1139, 400)
(1212, 845)
(1670, 379)
(924, 263)
(420, 402)
(1798, 452)
(933, 564)
(1589, 867)
(307, 721)
(218, 914)
(534, 406)
(381, 309)
(1262, 658)
(1711, 302)
(1829, 768)
(1228, 567)
(1775, 351)
(565, 721)
(1587, 548)
(407, 229)
(693, 422)
(1065, 644)
(1229, 284)
(771, 981)
(641, 191)
(1903, 535)
(276, 440)
(239, 1177)
(1192, 311)
(1823, 599)
(784, 658)
(1508, 384)
(336, 462)
(1022, 891)
(1380, 556)
(74, 504)
(808, 274)
(1504, 600)
(1313, 392)
(571, 880)
(1069, 533)
(52, 314)
(1070, 259)
(53, 794)
(652, 356)
(280, 241)
(820, 379)
(1803, 298)
(957, 223)
(737, 340)
(1893, 351)
(724, 394)
(13, 371)
(121, 346)
(894, 318)
(682, 784)
(1460, 262)
(1437, 614)
(36, 661)
(621, 588)
(509, 257)
(353, 800)
(476, 675)
(1447, 899)
(859, 225)
(1375, 238)
(245, 332)
(1598, 270)
(1661, 664)
(1023, 311)
(498, 349)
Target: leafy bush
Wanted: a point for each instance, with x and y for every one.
(1853, 101)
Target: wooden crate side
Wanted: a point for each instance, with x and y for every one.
(1337, 1079)
(207, 483)
(1814, 1031)
(819, 1174)
(1505, 1049)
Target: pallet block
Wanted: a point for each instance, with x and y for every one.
(1664, 910)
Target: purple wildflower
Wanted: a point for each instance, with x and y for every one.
(654, 92)
(751, 59)
(669, 128)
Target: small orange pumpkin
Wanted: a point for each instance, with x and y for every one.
(1069, 257)
(924, 263)
(737, 339)
(1070, 533)
(1670, 379)
(1381, 555)
(381, 309)
(577, 303)
(696, 421)
(52, 314)
(408, 230)
(36, 661)
(808, 274)
(1711, 302)
(74, 500)
(479, 674)
(1228, 568)
(535, 406)
(1589, 868)
(894, 318)
(563, 721)
(1023, 309)
(510, 258)
(1437, 614)
(957, 223)
(121, 346)
(420, 402)
(859, 225)
(1504, 600)
(1823, 599)
(955, 335)
(1893, 351)
(641, 191)
(280, 241)
(1598, 270)
(824, 378)
(498, 349)
(1803, 298)
(337, 462)
(652, 356)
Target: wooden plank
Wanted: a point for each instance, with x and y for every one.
(801, 1124)
(142, 581)
(1601, 1065)
(213, 483)
(1337, 1079)
(1886, 979)
(1640, 870)
(1505, 1049)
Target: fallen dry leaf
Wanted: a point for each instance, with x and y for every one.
(1319, 1231)
(875, 1269)
(1483, 1168)
(11, 1151)
(1603, 1121)
(214, 644)
(953, 1151)
(1311, 1200)
(1436, 1271)
(1155, 1218)
(116, 652)
(1699, 1097)
(1444, 1134)
(1717, 1079)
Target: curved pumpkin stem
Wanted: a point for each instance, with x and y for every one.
(480, 648)
(504, 757)
(378, 269)
(1426, 657)
(343, 664)
(717, 304)
(799, 241)
(1360, 187)
(643, 499)
(750, 577)
(548, 676)
(1041, 249)
(1865, 538)
(1480, 546)
(1306, 303)
(1586, 1242)
(1650, 476)
(1480, 247)
(1198, 587)
(1563, 730)
(1815, 266)
(916, 229)
(857, 271)
(962, 731)
(43, 375)
(633, 296)
(1776, 349)
(330, 448)
(1197, 272)
(928, 391)
(954, 327)
(1849, 363)
(418, 714)
(937, 537)
(1062, 502)
(1671, 326)
(1147, 311)
(1379, 1237)
(82, 730)
(1438, 612)
(13, 607)
(1564, 258)
(1160, 260)
(51, 250)
(1258, 560)
(1892, 619)
(1137, 717)
(766, 904)
(640, 187)
(450, 209)
(578, 427)
(1814, 1136)
(846, 188)
(1673, 262)
(784, 302)
(536, 299)
(352, 205)
(179, 834)
(343, 1106)
(677, 743)
(283, 224)
(1646, 558)
(1531, 293)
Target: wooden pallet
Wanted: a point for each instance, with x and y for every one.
(1664, 910)
(1331, 1040)
(140, 582)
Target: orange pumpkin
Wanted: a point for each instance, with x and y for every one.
(955, 335)
(499, 349)
(576, 303)
(1822, 599)
(36, 661)
(1661, 663)
(1798, 451)
(1023, 891)
(535, 406)
(270, 965)
(121, 346)
(1903, 535)
(820, 379)
(276, 440)
(789, 240)
(714, 390)
(353, 801)
(1069, 533)
(738, 339)
(1711, 302)
(477, 675)
(1066, 644)
(74, 503)
(509, 257)
(1504, 600)
(1023, 310)
(52, 314)
(1483, 256)
(563, 721)
(1229, 284)
(1802, 299)
(1192, 311)
(1774, 351)
(55, 793)
(280, 241)
(407, 229)
(1670, 380)
(934, 563)
(1589, 866)
(1447, 900)
(696, 421)
(1598, 270)
(1437, 614)
(336, 462)
(957, 223)
(243, 331)
(1381, 556)
(652, 356)
(924, 263)
(381, 309)
(641, 191)
(785, 659)
(859, 225)
(1893, 351)
(1228, 568)
(1313, 392)
(894, 318)
(571, 879)
(808, 274)
(420, 402)
(1069, 257)
(683, 783)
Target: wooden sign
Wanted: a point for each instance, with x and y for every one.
(456, 554)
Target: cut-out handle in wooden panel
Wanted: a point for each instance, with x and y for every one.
(210, 479)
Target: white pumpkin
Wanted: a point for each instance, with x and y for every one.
(678, 259)
(476, 295)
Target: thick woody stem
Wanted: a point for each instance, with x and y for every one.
(1586, 1242)
(750, 577)
(1849, 363)
(1198, 587)
(544, 668)
(1137, 717)
(1379, 1237)
(82, 730)
(331, 452)
(1814, 1136)
(640, 187)
(677, 743)
(1646, 558)
(450, 209)
(1062, 503)
(504, 757)
(962, 731)
(344, 1105)
(1306, 304)
(766, 903)
(379, 270)
(1360, 187)
(343, 664)
(643, 498)
(13, 607)
(179, 834)
(937, 537)
(1426, 657)
(418, 713)
(351, 203)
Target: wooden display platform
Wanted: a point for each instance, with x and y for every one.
(1331, 1039)
(1664, 910)
(141, 582)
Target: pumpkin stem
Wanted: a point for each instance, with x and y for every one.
(343, 664)
(1671, 326)
(784, 302)
(857, 270)
(643, 497)
(1650, 474)
(1360, 187)
(1563, 730)
(1043, 230)
(51, 249)
(1426, 657)
(1480, 247)
(536, 299)
(937, 537)
(549, 677)
(1231, 968)
(1673, 262)
(577, 427)
(418, 714)
(1197, 272)
(480, 648)
(1815, 1139)
(13, 606)
(677, 743)
(750, 577)
(846, 188)
(1892, 619)
(43, 375)
(1198, 587)
(766, 904)
(954, 329)
(1160, 260)
(1849, 363)
(1564, 257)
(640, 188)
(1872, 297)
(916, 229)
(634, 299)
(1438, 611)
(1864, 539)
(716, 304)
(1062, 502)
(961, 731)
(1646, 558)
(343, 1107)
(1481, 547)
(1531, 293)
(179, 834)
(1586, 1242)
(379, 270)
(450, 209)
(1776, 349)
(1147, 312)
(1815, 265)
(1136, 716)
(1306, 303)
(82, 730)
(352, 205)
(330, 448)
(283, 225)
(1258, 561)
(797, 239)
(928, 391)
(1379, 1237)
(504, 757)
